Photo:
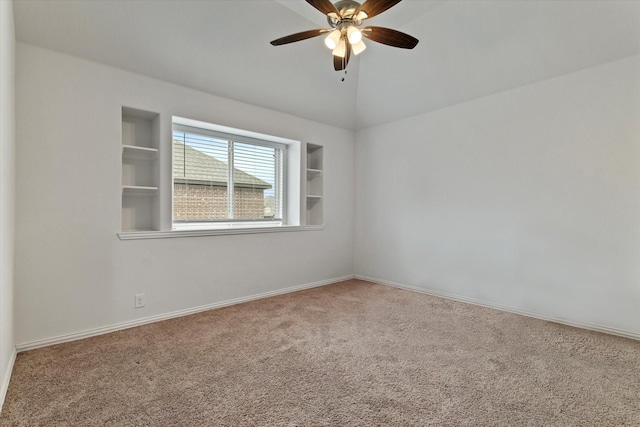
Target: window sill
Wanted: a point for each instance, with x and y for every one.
(136, 235)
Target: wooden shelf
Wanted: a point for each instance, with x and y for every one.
(140, 153)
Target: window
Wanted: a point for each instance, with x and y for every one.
(226, 180)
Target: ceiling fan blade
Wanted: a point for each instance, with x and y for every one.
(324, 6)
(340, 64)
(376, 7)
(390, 37)
(298, 36)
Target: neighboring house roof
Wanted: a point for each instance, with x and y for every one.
(202, 169)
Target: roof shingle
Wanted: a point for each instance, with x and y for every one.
(202, 169)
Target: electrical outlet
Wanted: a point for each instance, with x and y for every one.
(140, 300)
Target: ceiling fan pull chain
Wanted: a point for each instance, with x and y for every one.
(344, 77)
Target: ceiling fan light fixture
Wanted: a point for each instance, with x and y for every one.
(361, 16)
(333, 39)
(358, 47)
(341, 49)
(354, 35)
(349, 12)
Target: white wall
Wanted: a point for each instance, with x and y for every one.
(72, 271)
(7, 193)
(527, 199)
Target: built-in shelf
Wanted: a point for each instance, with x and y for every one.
(139, 153)
(138, 190)
(140, 170)
(314, 187)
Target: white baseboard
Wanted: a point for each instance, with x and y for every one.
(589, 326)
(6, 377)
(139, 322)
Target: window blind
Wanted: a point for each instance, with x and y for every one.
(221, 177)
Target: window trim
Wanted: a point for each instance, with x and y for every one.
(137, 235)
(229, 130)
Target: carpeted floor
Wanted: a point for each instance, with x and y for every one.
(348, 354)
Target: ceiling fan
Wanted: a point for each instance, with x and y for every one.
(345, 37)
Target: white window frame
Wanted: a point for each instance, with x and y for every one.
(238, 135)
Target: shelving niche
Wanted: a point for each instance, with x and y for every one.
(140, 172)
(314, 179)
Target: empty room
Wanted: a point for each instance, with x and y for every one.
(319, 213)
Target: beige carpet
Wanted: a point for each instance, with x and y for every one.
(348, 354)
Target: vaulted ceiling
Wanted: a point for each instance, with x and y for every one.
(467, 49)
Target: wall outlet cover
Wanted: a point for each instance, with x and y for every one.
(140, 300)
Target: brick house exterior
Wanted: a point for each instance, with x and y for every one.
(200, 188)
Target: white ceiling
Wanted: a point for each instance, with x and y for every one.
(467, 49)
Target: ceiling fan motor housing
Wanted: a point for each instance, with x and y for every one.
(347, 10)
